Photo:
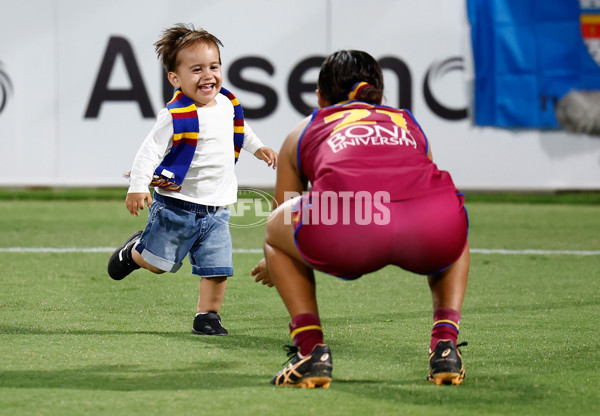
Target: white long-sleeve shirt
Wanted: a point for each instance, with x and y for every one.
(210, 179)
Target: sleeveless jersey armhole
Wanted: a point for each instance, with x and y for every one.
(313, 115)
(420, 128)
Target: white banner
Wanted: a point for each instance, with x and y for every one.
(80, 86)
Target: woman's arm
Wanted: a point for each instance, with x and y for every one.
(289, 178)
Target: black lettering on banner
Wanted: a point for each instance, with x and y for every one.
(6, 87)
(296, 87)
(137, 93)
(404, 80)
(438, 70)
(237, 80)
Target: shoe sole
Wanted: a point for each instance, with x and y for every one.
(208, 335)
(446, 378)
(311, 383)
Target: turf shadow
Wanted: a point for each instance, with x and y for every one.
(203, 375)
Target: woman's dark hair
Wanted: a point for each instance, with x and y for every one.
(342, 69)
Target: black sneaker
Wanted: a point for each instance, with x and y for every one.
(208, 324)
(445, 363)
(121, 263)
(311, 371)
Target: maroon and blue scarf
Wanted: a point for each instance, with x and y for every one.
(171, 172)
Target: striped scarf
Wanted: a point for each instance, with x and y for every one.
(170, 173)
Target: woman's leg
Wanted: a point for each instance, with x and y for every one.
(448, 291)
(449, 286)
(295, 282)
(292, 276)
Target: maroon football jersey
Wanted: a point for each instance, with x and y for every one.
(355, 146)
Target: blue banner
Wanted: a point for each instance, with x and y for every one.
(527, 55)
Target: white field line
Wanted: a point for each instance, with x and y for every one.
(539, 252)
(257, 250)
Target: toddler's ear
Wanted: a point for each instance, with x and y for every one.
(174, 79)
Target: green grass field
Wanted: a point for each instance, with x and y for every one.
(74, 342)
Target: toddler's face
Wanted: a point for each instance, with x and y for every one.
(198, 73)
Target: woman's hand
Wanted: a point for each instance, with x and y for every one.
(261, 273)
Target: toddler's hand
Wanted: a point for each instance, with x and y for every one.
(135, 202)
(268, 155)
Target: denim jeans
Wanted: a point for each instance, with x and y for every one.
(177, 228)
